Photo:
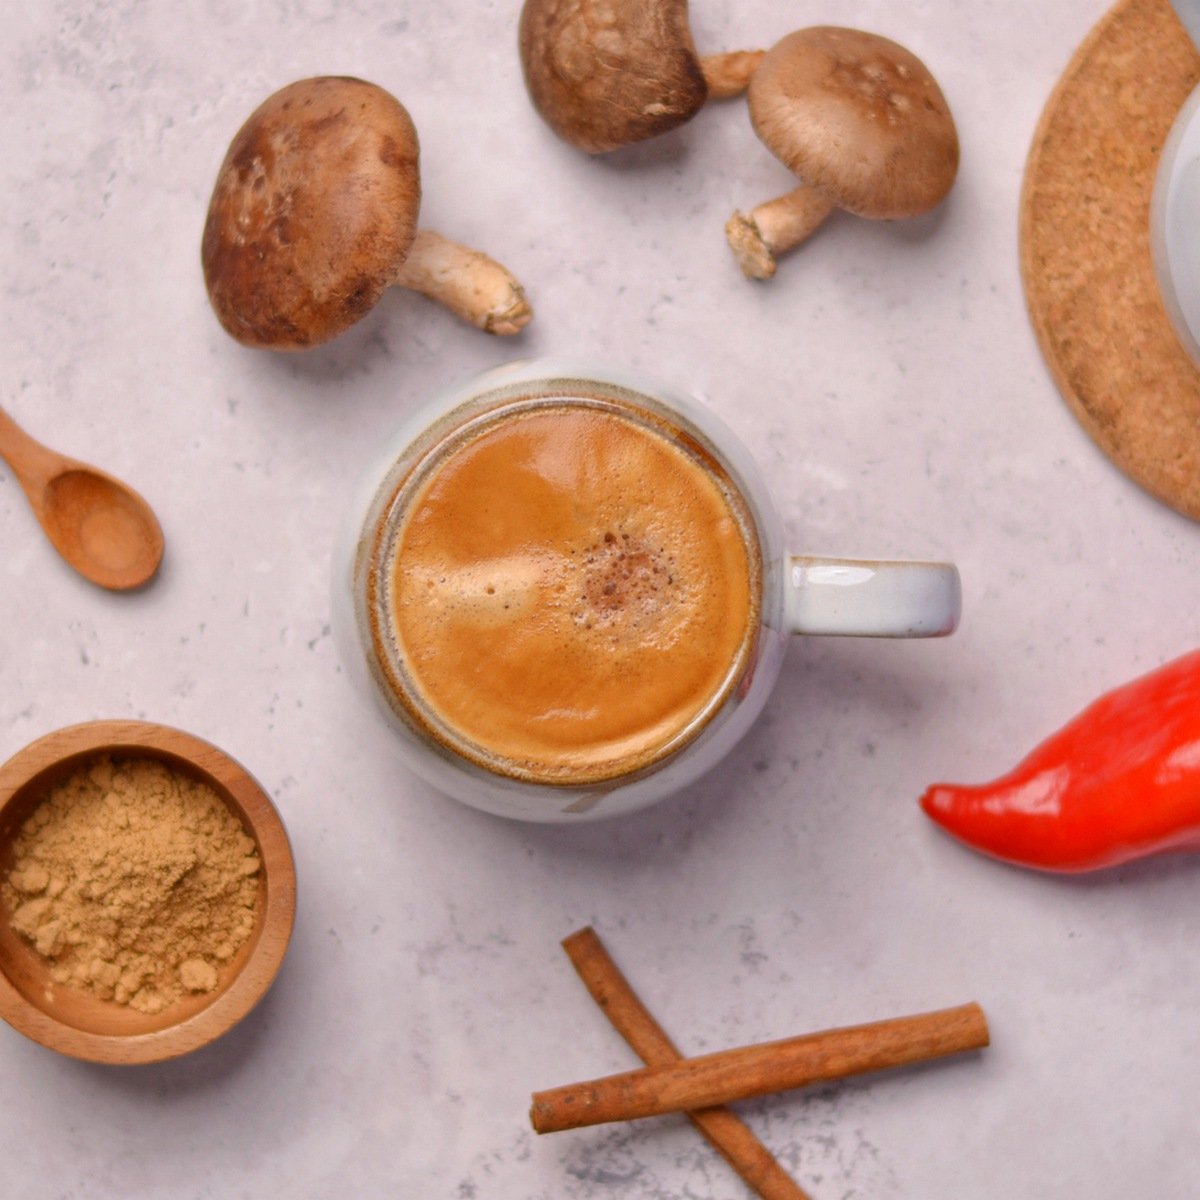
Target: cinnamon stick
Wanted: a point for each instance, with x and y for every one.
(730, 1075)
(727, 1133)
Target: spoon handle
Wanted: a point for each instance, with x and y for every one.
(32, 463)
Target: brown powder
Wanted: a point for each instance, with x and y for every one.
(137, 882)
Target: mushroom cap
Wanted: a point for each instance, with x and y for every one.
(607, 73)
(314, 209)
(857, 117)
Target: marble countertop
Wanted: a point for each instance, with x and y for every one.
(889, 384)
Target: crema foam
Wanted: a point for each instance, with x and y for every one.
(574, 589)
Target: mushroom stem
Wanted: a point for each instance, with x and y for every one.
(729, 74)
(471, 285)
(774, 228)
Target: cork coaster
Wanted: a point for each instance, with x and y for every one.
(1085, 248)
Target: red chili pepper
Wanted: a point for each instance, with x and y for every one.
(1118, 782)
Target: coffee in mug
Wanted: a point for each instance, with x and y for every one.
(572, 586)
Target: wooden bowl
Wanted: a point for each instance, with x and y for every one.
(82, 1025)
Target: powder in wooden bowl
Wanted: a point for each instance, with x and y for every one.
(137, 882)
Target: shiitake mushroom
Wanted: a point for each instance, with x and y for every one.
(860, 121)
(314, 215)
(604, 74)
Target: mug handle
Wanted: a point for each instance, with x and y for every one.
(870, 598)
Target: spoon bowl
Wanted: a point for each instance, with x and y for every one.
(100, 526)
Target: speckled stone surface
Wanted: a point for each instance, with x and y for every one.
(891, 387)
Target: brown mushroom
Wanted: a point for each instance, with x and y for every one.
(607, 73)
(861, 122)
(314, 215)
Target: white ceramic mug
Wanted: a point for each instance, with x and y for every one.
(1175, 209)
(795, 594)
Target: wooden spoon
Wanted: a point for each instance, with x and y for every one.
(101, 526)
